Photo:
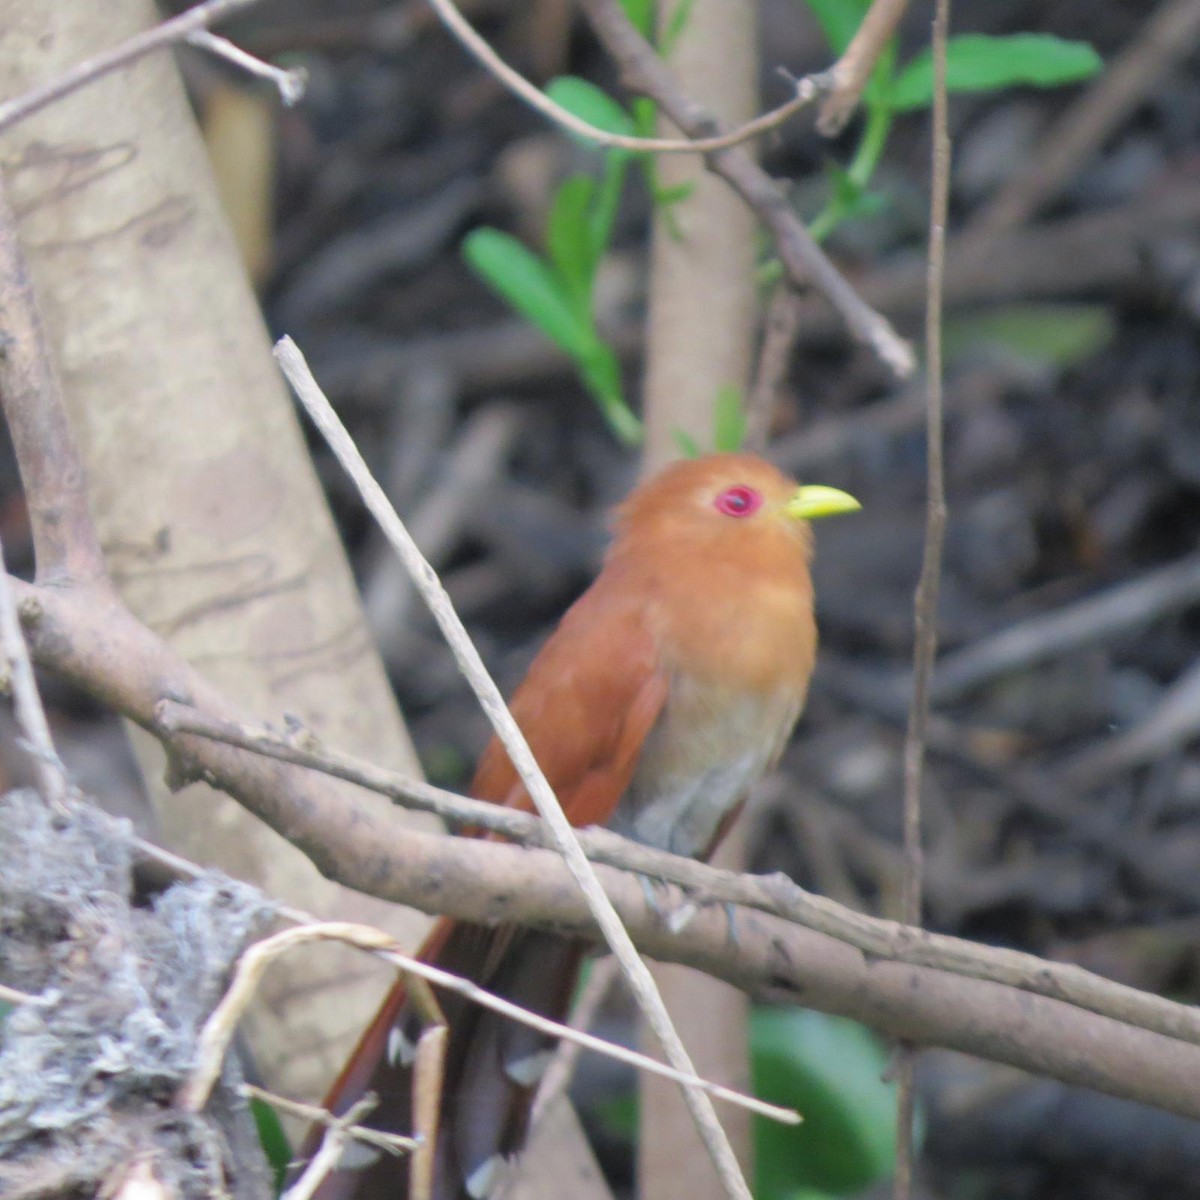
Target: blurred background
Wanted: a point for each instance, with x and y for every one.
(1063, 798)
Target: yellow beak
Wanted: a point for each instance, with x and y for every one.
(814, 500)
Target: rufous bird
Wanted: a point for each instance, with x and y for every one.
(666, 691)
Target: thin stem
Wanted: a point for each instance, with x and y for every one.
(925, 650)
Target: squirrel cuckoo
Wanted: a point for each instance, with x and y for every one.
(668, 688)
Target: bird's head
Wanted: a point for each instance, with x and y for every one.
(722, 502)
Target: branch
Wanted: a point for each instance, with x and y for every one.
(64, 538)
(177, 29)
(27, 704)
(807, 90)
(101, 648)
(637, 974)
(929, 585)
(777, 895)
(803, 260)
(848, 76)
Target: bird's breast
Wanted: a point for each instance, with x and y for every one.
(707, 749)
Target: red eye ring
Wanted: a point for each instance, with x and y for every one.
(738, 501)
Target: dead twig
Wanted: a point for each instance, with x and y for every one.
(31, 717)
(1094, 619)
(177, 29)
(929, 586)
(804, 262)
(641, 982)
(849, 75)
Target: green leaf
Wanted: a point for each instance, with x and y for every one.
(687, 444)
(529, 285)
(839, 20)
(1045, 336)
(729, 419)
(976, 62)
(641, 16)
(830, 1069)
(272, 1138)
(602, 375)
(587, 102)
(570, 242)
(676, 24)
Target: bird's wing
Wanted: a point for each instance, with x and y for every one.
(586, 707)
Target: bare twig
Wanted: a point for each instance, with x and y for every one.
(27, 704)
(11, 995)
(290, 83)
(850, 73)
(641, 982)
(429, 1070)
(926, 604)
(805, 263)
(329, 1153)
(807, 91)
(177, 29)
(1093, 619)
(780, 327)
(222, 1022)
(392, 1142)
(64, 537)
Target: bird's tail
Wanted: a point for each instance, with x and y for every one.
(492, 1067)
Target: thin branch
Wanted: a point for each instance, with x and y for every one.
(777, 895)
(1022, 1012)
(177, 29)
(807, 90)
(641, 982)
(780, 328)
(11, 995)
(392, 1142)
(850, 73)
(926, 604)
(64, 538)
(329, 1153)
(804, 261)
(222, 1023)
(27, 704)
(289, 82)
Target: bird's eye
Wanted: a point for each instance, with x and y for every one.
(738, 501)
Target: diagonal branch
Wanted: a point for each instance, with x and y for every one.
(637, 974)
(802, 258)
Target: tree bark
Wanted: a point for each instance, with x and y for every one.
(214, 526)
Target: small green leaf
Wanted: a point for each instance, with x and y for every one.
(641, 16)
(645, 117)
(272, 1138)
(687, 444)
(839, 20)
(830, 1069)
(587, 102)
(729, 419)
(529, 285)
(976, 62)
(664, 197)
(1054, 336)
(570, 243)
(676, 24)
(602, 374)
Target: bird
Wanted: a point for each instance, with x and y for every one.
(668, 688)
